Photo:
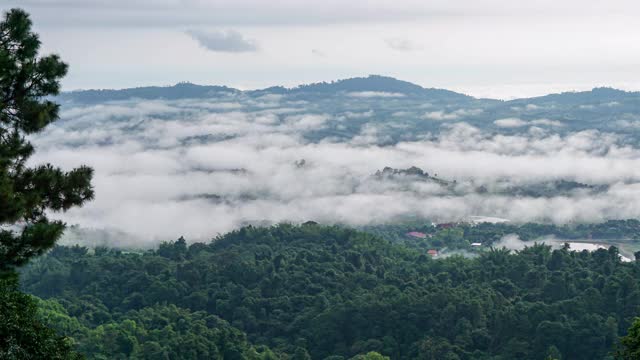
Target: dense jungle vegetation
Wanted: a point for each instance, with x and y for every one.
(319, 292)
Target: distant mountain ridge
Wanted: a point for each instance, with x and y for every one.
(179, 91)
(595, 95)
(376, 83)
(372, 83)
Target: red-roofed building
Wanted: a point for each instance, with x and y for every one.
(417, 234)
(433, 252)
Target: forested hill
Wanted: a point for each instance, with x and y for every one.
(333, 293)
(178, 91)
(372, 83)
(399, 110)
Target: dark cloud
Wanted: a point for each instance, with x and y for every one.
(223, 41)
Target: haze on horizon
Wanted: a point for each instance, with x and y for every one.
(489, 48)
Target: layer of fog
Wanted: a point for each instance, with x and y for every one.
(514, 243)
(202, 167)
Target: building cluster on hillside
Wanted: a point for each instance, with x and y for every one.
(441, 226)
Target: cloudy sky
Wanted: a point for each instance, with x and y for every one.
(498, 48)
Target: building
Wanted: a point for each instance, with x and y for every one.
(417, 234)
(476, 244)
(433, 253)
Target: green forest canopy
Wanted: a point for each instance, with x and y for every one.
(331, 292)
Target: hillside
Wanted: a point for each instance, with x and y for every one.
(398, 110)
(333, 293)
(595, 96)
(178, 91)
(372, 83)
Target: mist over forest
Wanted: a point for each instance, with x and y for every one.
(200, 160)
(480, 200)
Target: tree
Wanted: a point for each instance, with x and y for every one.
(370, 356)
(630, 344)
(300, 354)
(318, 304)
(26, 81)
(26, 194)
(22, 335)
(553, 353)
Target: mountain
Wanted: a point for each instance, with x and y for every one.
(179, 91)
(604, 109)
(595, 96)
(372, 83)
(377, 83)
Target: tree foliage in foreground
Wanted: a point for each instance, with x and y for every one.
(629, 347)
(22, 335)
(27, 193)
(327, 292)
(157, 332)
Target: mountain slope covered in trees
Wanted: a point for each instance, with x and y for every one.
(372, 83)
(330, 292)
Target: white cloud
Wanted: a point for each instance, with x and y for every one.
(318, 53)
(171, 168)
(401, 44)
(629, 124)
(547, 122)
(306, 121)
(516, 123)
(374, 94)
(510, 123)
(453, 115)
(358, 115)
(440, 115)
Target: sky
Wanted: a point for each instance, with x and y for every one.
(486, 48)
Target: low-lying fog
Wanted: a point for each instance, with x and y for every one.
(513, 242)
(201, 167)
